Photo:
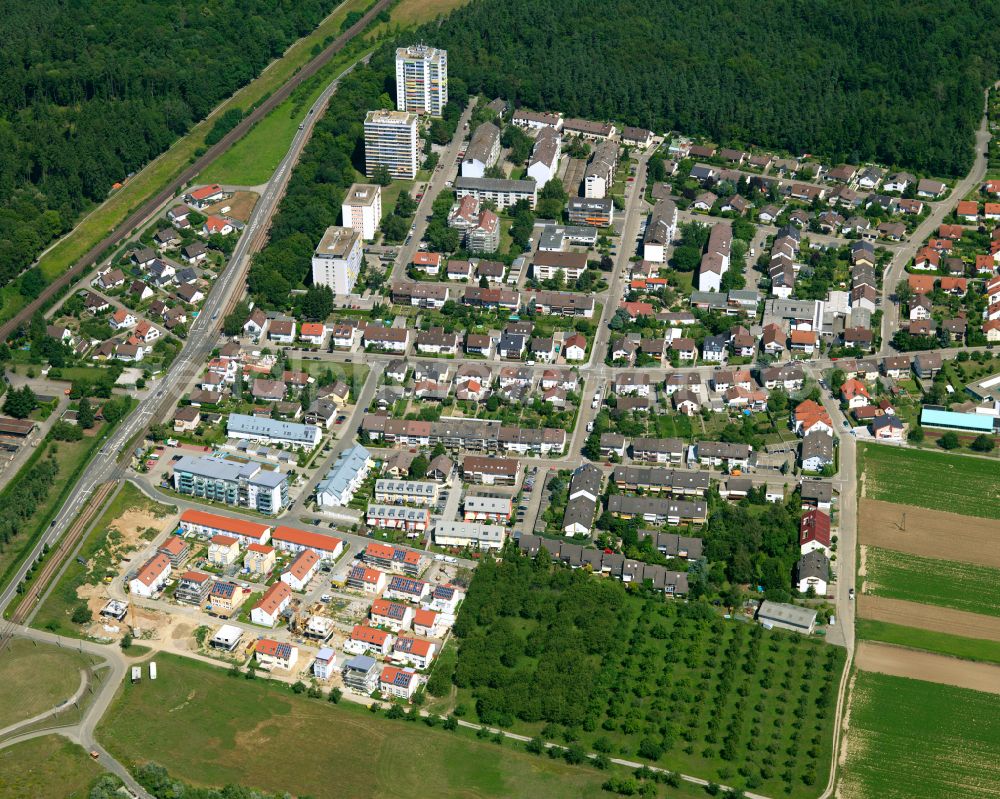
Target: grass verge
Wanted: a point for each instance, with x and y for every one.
(97, 550)
(72, 457)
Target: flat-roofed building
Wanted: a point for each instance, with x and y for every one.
(421, 79)
(362, 209)
(475, 535)
(273, 431)
(391, 142)
(337, 260)
(500, 191)
(240, 483)
(787, 617)
(597, 212)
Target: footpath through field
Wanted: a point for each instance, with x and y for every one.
(904, 662)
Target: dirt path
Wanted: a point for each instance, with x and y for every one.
(902, 662)
(929, 533)
(928, 617)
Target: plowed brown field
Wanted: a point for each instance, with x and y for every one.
(929, 533)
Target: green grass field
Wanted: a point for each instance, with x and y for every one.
(957, 646)
(36, 677)
(963, 586)
(50, 767)
(919, 740)
(209, 729)
(54, 613)
(928, 479)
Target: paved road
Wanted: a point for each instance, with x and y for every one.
(347, 437)
(202, 338)
(106, 682)
(446, 170)
(896, 269)
(357, 542)
(151, 206)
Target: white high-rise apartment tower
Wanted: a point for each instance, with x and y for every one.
(421, 79)
(362, 209)
(391, 141)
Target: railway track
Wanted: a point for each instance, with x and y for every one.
(66, 545)
(150, 206)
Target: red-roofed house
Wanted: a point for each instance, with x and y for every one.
(811, 416)
(414, 651)
(122, 319)
(313, 333)
(259, 559)
(301, 570)
(921, 284)
(205, 195)
(637, 309)
(208, 524)
(398, 683)
(954, 285)
(393, 615)
(151, 576)
(176, 549)
(428, 262)
(275, 654)
(365, 640)
(291, 539)
(854, 393)
(223, 550)
(217, 226)
(268, 610)
(427, 622)
(803, 341)
(814, 532)
(927, 259)
(968, 210)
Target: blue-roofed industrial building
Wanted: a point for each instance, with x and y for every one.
(344, 477)
(951, 420)
(244, 484)
(273, 431)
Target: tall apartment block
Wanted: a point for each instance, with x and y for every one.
(421, 79)
(391, 141)
(362, 209)
(337, 260)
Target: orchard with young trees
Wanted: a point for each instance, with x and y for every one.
(586, 661)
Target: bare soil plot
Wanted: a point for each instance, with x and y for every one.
(929, 617)
(903, 662)
(240, 205)
(929, 533)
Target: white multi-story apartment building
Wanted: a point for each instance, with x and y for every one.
(362, 209)
(482, 152)
(337, 260)
(421, 79)
(391, 141)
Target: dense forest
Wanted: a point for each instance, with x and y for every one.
(895, 81)
(91, 91)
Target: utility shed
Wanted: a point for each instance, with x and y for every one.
(787, 617)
